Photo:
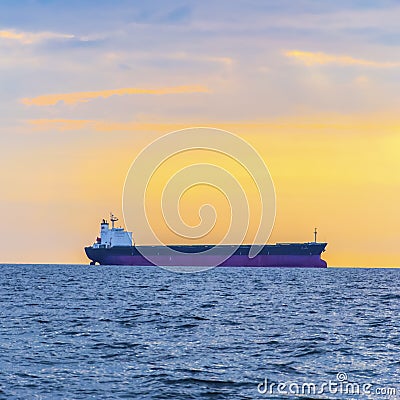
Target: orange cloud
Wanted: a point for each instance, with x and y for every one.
(102, 126)
(310, 58)
(31, 37)
(61, 124)
(82, 97)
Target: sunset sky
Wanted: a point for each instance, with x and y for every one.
(313, 86)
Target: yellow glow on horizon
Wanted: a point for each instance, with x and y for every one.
(339, 173)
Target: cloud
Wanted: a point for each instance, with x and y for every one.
(82, 97)
(61, 124)
(312, 124)
(362, 81)
(227, 61)
(128, 58)
(32, 37)
(318, 58)
(102, 126)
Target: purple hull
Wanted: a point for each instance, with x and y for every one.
(302, 261)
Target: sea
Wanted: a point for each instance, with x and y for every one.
(117, 332)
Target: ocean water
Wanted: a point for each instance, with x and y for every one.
(81, 332)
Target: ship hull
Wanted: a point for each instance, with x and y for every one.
(290, 256)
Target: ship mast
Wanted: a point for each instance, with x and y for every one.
(315, 235)
(113, 219)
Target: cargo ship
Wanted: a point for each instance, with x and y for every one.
(115, 246)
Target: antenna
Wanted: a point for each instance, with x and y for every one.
(315, 235)
(113, 219)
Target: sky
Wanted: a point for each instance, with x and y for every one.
(313, 86)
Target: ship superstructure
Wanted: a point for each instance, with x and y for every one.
(112, 237)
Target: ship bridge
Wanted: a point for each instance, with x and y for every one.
(110, 237)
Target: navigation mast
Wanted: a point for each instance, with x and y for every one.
(113, 219)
